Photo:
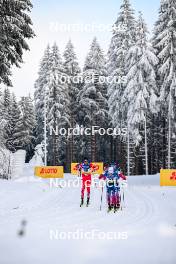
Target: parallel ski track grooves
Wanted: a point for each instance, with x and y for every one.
(62, 204)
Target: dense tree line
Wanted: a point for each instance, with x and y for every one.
(144, 103)
(17, 123)
(138, 93)
(17, 119)
(15, 29)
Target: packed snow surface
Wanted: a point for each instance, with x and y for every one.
(145, 228)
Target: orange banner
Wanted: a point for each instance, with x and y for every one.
(168, 177)
(49, 172)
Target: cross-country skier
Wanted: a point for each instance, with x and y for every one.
(112, 176)
(86, 168)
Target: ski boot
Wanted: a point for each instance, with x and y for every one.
(88, 201)
(82, 202)
(116, 207)
(109, 208)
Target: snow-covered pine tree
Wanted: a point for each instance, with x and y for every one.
(15, 28)
(15, 115)
(2, 120)
(39, 95)
(140, 95)
(5, 155)
(6, 103)
(72, 71)
(164, 41)
(58, 115)
(27, 108)
(24, 130)
(92, 98)
(124, 36)
(130, 164)
(6, 113)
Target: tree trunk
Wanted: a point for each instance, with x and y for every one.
(128, 154)
(164, 144)
(169, 132)
(146, 149)
(45, 131)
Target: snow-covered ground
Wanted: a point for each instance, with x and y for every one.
(146, 226)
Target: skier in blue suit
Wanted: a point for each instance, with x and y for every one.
(112, 176)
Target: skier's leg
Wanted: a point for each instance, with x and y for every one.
(118, 199)
(109, 198)
(82, 191)
(108, 195)
(88, 195)
(88, 185)
(113, 197)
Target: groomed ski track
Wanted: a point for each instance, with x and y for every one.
(148, 218)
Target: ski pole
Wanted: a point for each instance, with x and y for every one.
(123, 196)
(101, 199)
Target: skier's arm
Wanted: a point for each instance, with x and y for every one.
(92, 167)
(77, 166)
(102, 177)
(123, 177)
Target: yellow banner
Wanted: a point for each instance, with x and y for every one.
(49, 172)
(74, 168)
(98, 168)
(168, 177)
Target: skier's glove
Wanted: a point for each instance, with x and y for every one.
(124, 184)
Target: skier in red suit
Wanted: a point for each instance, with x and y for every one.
(86, 169)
